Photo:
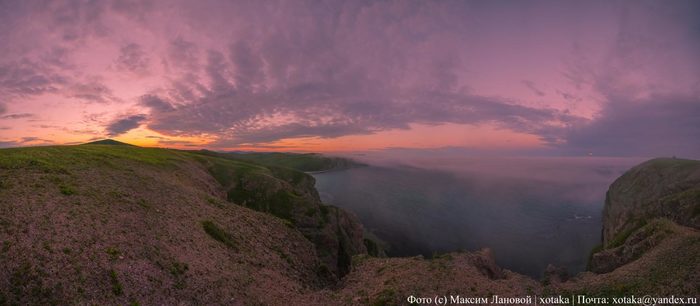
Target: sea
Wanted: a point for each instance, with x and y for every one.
(530, 211)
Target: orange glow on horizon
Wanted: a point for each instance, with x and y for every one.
(419, 136)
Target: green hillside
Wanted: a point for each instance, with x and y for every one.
(108, 142)
(105, 222)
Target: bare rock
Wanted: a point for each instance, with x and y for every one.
(485, 262)
(555, 274)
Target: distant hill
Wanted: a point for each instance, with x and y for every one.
(109, 142)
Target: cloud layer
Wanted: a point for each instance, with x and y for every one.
(609, 78)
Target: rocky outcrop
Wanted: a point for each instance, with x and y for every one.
(639, 207)
(393, 281)
(291, 195)
(485, 263)
(663, 187)
(637, 243)
(555, 274)
(668, 266)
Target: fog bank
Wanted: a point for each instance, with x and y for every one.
(531, 211)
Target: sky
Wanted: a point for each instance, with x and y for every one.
(571, 78)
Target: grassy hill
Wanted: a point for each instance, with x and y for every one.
(122, 224)
(108, 142)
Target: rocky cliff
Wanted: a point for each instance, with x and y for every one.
(659, 188)
(291, 196)
(641, 205)
(650, 229)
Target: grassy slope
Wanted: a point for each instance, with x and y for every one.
(668, 267)
(291, 195)
(249, 185)
(117, 225)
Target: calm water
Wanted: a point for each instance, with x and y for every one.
(531, 212)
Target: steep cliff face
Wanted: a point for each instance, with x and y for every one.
(667, 188)
(291, 195)
(652, 203)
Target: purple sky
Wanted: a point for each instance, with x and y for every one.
(611, 78)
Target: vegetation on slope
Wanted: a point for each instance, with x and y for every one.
(108, 142)
(658, 259)
(290, 195)
(649, 216)
(134, 229)
(662, 187)
(117, 225)
(149, 207)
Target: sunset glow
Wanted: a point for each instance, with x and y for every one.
(612, 78)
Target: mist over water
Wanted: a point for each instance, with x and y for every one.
(530, 211)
